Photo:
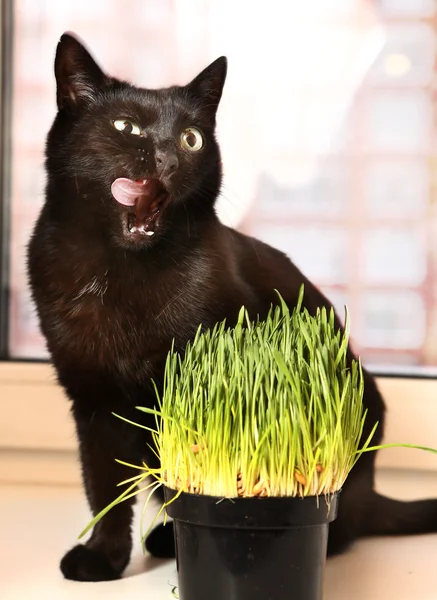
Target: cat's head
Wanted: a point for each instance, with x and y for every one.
(135, 160)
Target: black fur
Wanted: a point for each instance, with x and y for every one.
(110, 305)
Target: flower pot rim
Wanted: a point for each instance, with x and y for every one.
(270, 512)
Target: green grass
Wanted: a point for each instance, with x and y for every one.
(268, 408)
(262, 409)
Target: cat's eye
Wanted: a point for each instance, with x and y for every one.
(126, 126)
(191, 139)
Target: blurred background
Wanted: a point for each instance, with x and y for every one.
(328, 133)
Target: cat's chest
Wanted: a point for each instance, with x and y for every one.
(124, 321)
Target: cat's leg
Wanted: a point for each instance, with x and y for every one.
(354, 503)
(160, 543)
(344, 530)
(102, 439)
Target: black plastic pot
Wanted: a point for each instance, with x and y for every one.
(251, 548)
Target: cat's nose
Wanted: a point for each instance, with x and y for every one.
(166, 163)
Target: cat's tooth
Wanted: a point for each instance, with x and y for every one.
(150, 233)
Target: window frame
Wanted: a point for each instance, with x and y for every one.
(6, 47)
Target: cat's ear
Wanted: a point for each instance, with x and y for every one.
(78, 77)
(208, 85)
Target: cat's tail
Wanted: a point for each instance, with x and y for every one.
(394, 517)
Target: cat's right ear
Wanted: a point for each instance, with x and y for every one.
(208, 85)
(78, 77)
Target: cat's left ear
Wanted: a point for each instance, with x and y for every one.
(208, 85)
(78, 76)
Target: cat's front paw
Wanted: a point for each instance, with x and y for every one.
(85, 564)
(160, 542)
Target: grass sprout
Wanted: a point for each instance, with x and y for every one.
(265, 408)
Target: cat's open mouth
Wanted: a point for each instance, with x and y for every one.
(145, 199)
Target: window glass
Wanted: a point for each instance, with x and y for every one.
(327, 129)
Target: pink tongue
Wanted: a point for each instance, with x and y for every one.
(126, 191)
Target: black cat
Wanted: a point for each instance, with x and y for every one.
(127, 255)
